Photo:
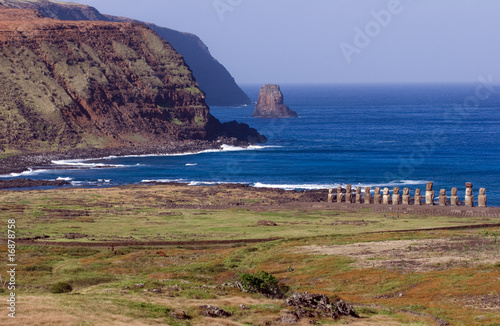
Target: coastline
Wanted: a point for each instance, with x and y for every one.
(22, 162)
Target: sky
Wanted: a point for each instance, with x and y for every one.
(335, 41)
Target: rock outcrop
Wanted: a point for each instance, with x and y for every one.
(71, 84)
(270, 104)
(217, 83)
(310, 305)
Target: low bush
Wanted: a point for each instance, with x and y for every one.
(61, 287)
(262, 282)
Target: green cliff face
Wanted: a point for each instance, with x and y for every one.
(217, 83)
(98, 84)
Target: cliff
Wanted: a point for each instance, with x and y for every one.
(217, 83)
(76, 84)
(270, 104)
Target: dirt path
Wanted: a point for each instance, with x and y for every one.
(222, 242)
(144, 243)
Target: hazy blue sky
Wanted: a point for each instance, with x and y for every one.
(335, 41)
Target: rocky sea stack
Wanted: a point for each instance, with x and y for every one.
(270, 104)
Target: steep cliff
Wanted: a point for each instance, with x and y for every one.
(68, 84)
(217, 83)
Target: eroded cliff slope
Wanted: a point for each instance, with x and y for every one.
(68, 84)
(214, 79)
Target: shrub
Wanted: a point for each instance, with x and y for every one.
(262, 282)
(38, 268)
(61, 287)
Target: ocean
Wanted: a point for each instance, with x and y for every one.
(364, 135)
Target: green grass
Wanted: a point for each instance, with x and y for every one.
(191, 275)
(177, 122)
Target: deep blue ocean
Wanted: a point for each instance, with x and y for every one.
(376, 135)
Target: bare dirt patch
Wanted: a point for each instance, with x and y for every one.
(482, 302)
(417, 255)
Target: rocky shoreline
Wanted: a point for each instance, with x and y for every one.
(28, 183)
(23, 162)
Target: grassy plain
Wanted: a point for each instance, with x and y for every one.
(393, 278)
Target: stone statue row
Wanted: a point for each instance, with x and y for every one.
(397, 199)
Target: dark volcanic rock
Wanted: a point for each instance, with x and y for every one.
(242, 132)
(28, 183)
(215, 312)
(318, 305)
(217, 83)
(266, 223)
(270, 104)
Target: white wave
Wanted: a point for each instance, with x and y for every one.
(291, 186)
(307, 186)
(209, 183)
(327, 186)
(224, 148)
(26, 173)
(163, 180)
(191, 164)
(81, 163)
(191, 183)
(64, 179)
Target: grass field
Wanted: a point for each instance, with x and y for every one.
(396, 278)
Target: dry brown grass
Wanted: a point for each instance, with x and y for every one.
(52, 311)
(416, 255)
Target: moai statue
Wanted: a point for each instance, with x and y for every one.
(348, 194)
(386, 198)
(418, 197)
(481, 200)
(429, 194)
(339, 194)
(442, 197)
(454, 197)
(469, 197)
(330, 195)
(358, 195)
(368, 196)
(406, 196)
(377, 197)
(396, 197)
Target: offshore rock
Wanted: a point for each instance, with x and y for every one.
(270, 104)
